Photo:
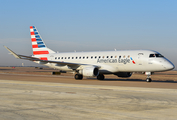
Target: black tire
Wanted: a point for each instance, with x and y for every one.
(78, 76)
(148, 79)
(100, 77)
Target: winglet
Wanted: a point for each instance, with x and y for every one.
(13, 53)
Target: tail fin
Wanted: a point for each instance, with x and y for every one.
(38, 44)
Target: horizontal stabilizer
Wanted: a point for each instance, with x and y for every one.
(13, 53)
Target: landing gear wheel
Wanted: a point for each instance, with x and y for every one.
(148, 76)
(148, 79)
(78, 76)
(100, 77)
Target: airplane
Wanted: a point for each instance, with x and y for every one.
(96, 64)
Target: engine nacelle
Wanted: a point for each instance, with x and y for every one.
(89, 71)
(124, 74)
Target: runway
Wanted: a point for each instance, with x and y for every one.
(26, 95)
(24, 100)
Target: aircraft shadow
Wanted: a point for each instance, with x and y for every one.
(6, 69)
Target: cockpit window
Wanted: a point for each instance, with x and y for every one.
(155, 55)
(159, 55)
(152, 55)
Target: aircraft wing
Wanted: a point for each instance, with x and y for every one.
(47, 61)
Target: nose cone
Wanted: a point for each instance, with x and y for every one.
(169, 66)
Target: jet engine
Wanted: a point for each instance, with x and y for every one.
(124, 74)
(89, 71)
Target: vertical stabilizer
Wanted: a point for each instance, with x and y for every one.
(38, 44)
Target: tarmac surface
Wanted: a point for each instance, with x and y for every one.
(25, 96)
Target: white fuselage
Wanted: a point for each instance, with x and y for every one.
(96, 64)
(111, 61)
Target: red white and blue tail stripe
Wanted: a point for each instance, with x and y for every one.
(38, 45)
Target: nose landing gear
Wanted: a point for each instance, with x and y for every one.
(148, 79)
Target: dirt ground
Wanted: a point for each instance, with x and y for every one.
(159, 80)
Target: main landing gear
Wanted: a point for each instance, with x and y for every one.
(148, 79)
(100, 77)
(78, 76)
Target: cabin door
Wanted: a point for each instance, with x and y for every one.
(140, 58)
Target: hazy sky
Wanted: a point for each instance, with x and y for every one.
(88, 25)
